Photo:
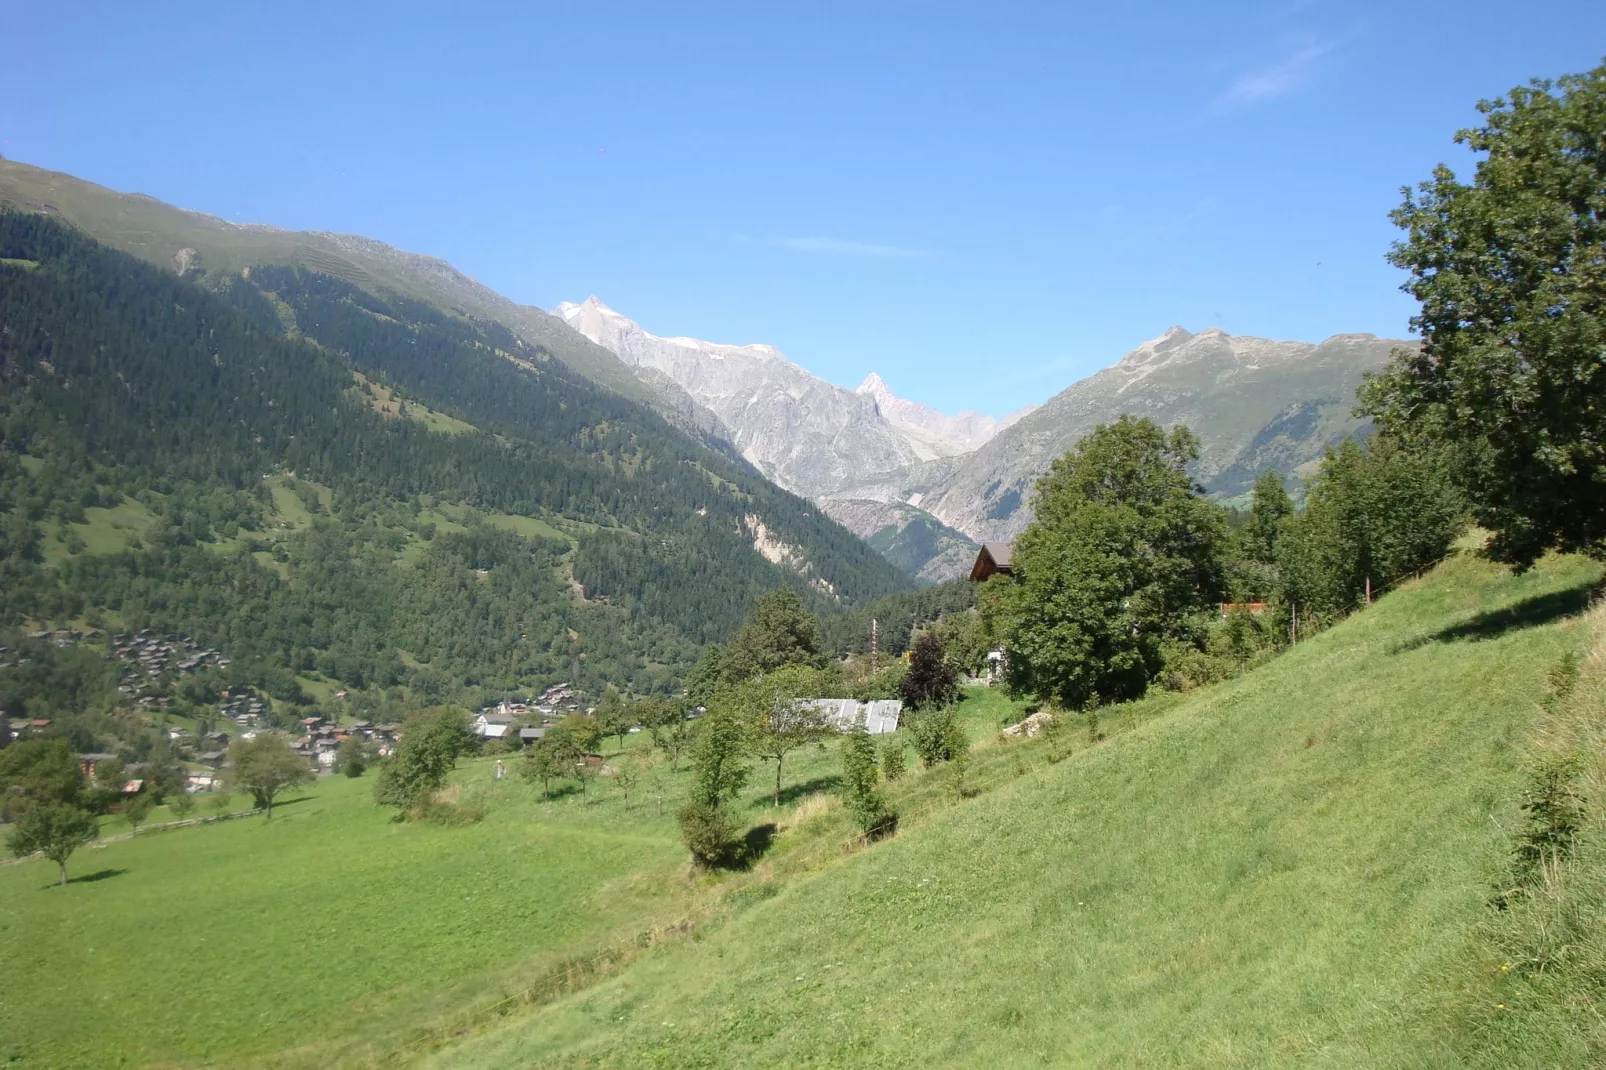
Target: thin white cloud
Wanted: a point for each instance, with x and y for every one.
(840, 247)
(1293, 71)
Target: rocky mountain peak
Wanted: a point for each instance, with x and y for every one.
(875, 386)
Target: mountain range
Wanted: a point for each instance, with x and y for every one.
(924, 487)
(810, 436)
(319, 475)
(1254, 404)
(921, 486)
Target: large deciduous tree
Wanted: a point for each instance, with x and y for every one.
(1510, 271)
(426, 753)
(1122, 551)
(1269, 507)
(1373, 515)
(778, 632)
(38, 771)
(264, 767)
(931, 680)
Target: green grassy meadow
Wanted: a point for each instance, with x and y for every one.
(1281, 870)
(330, 934)
(315, 932)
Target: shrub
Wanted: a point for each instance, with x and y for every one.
(859, 777)
(959, 787)
(1555, 814)
(1054, 731)
(938, 736)
(892, 758)
(707, 833)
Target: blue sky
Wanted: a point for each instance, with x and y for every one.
(983, 202)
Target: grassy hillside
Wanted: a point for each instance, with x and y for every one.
(331, 935)
(1282, 870)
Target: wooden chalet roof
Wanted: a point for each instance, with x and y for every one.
(992, 558)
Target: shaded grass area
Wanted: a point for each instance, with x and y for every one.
(1280, 870)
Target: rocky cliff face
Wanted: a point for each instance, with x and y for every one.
(924, 487)
(941, 434)
(806, 434)
(912, 539)
(1253, 402)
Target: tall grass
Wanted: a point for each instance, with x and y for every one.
(1531, 988)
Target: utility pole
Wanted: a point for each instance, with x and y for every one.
(1368, 590)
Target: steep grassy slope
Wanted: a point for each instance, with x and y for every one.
(1279, 871)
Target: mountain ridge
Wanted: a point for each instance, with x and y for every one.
(809, 435)
(1254, 403)
(184, 240)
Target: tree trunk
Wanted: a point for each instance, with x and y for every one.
(778, 760)
(63, 865)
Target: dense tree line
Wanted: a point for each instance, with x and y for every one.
(1120, 580)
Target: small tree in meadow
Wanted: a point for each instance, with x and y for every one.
(780, 721)
(626, 775)
(614, 716)
(137, 809)
(859, 777)
(672, 731)
(718, 775)
(892, 758)
(352, 756)
(181, 804)
(426, 753)
(938, 736)
(555, 757)
(55, 830)
(264, 767)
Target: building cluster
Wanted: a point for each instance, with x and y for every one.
(320, 740)
(23, 727)
(556, 702)
(157, 654)
(243, 705)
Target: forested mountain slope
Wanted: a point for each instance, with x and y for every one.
(192, 242)
(525, 526)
